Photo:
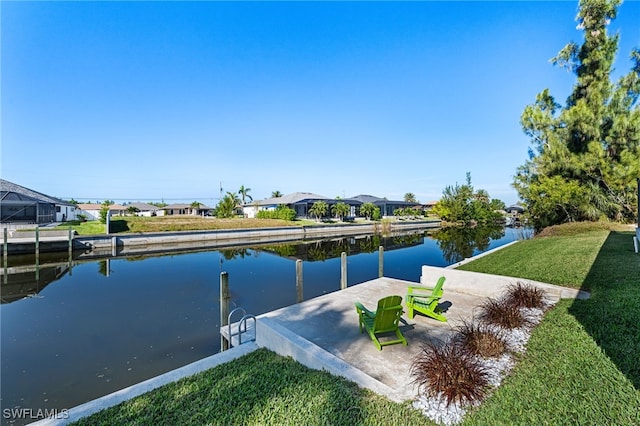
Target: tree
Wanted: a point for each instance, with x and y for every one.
(410, 197)
(227, 206)
(195, 206)
(319, 209)
(584, 156)
(370, 211)
(132, 210)
(461, 204)
(276, 194)
(244, 194)
(340, 210)
(104, 210)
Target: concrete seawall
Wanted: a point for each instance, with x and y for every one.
(135, 243)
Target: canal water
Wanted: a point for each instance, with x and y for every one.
(75, 331)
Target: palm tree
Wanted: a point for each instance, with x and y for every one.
(227, 206)
(319, 209)
(340, 210)
(368, 210)
(195, 206)
(244, 194)
(482, 196)
(410, 197)
(276, 194)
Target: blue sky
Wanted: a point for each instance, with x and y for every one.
(149, 101)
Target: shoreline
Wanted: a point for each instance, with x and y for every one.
(138, 243)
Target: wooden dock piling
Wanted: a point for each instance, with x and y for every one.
(343, 270)
(299, 281)
(224, 306)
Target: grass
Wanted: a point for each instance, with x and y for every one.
(83, 228)
(133, 224)
(259, 389)
(580, 367)
(581, 364)
(561, 255)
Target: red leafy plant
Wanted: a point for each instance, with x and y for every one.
(450, 370)
(525, 295)
(481, 340)
(502, 312)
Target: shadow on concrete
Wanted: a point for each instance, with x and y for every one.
(612, 315)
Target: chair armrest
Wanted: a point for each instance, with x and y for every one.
(362, 310)
(415, 291)
(420, 287)
(411, 298)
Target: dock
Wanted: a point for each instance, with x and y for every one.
(323, 332)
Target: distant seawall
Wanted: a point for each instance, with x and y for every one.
(138, 243)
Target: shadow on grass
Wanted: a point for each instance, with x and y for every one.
(612, 315)
(116, 226)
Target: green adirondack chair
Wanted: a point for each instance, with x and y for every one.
(425, 300)
(384, 320)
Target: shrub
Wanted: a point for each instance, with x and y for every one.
(104, 212)
(284, 213)
(481, 340)
(501, 312)
(524, 295)
(450, 371)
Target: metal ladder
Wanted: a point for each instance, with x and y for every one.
(242, 326)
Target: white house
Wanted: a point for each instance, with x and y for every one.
(92, 210)
(146, 210)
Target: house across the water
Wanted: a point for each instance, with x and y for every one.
(20, 205)
(301, 203)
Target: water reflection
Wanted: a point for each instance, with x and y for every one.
(322, 250)
(26, 275)
(459, 243)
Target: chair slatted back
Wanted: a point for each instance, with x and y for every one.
(437, 290)
(388, 313)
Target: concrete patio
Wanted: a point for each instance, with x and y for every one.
(323, 332)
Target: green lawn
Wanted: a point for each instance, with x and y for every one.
(131, 224)
(92, 227)
(580, 368)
